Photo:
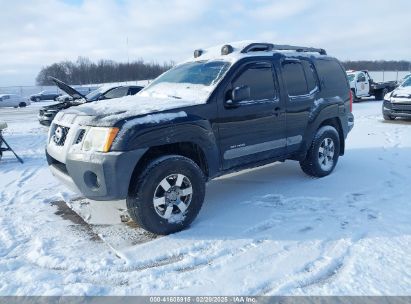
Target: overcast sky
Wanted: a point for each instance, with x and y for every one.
(37, 33)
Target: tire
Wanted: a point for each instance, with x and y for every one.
(317, 164)
(354, 96)
(154, 209)
(37, 99)
(381, 93)
(388, 117)
(22, 104)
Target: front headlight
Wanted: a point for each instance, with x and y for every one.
(99, 139)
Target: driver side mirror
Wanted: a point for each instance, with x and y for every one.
(239, 94)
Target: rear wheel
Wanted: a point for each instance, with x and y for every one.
(167, 196)
(323, 154)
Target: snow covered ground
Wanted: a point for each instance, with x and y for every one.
(265, 231)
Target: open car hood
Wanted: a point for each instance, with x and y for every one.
(66, 88)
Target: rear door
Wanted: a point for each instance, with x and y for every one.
(301, 83)
(254, 129)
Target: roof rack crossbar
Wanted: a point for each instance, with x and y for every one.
(253, 47)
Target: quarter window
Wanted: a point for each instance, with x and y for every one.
(260, 80)
(294, 78)
(310, 75)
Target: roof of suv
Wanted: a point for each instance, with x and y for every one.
(248, 48)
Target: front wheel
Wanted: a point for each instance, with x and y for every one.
(354, 96)
(22, 104)
(167, 196)
(323, 154)
(388, 117)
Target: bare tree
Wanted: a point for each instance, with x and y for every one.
(84, 71)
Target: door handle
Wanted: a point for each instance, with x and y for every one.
(277, 111)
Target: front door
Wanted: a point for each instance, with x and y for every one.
(362, 85)
(253, 129)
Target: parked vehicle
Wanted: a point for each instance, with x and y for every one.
(233, 107)
(83, 90)
(47, 113)
(45, 95)
(398, 102)
(13, 100)
(362, 85)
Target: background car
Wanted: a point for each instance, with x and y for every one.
(45, 95)
(47, 113)
(398, 102)
(12, 100)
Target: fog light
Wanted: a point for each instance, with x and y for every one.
(91, 180)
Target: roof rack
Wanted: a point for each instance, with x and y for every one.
(257, 47)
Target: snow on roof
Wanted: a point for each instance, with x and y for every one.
(214, 53)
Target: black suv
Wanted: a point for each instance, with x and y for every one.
(237, 106)
(47, 113)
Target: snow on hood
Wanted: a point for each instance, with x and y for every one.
(107, 112)
(402, 92)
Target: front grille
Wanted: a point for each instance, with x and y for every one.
(60, 135)
(401, 107)
(80, 136)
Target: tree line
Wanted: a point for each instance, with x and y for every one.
(85, 71)
(378, 65)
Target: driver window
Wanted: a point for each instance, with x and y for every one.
(361, 78)
(116, 93)
(260, 81)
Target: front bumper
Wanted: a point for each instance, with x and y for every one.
(396, 109)
(97, 176)
(44, 120)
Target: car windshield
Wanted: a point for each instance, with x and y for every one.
(407, 82)
(191, 80)
(350, 77)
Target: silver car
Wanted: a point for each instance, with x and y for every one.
(13, 100)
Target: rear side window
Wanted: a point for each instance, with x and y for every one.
(260, 80)
(310, 75)
(332, 77)
(294, 78)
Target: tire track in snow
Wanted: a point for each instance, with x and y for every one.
(318, 271)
